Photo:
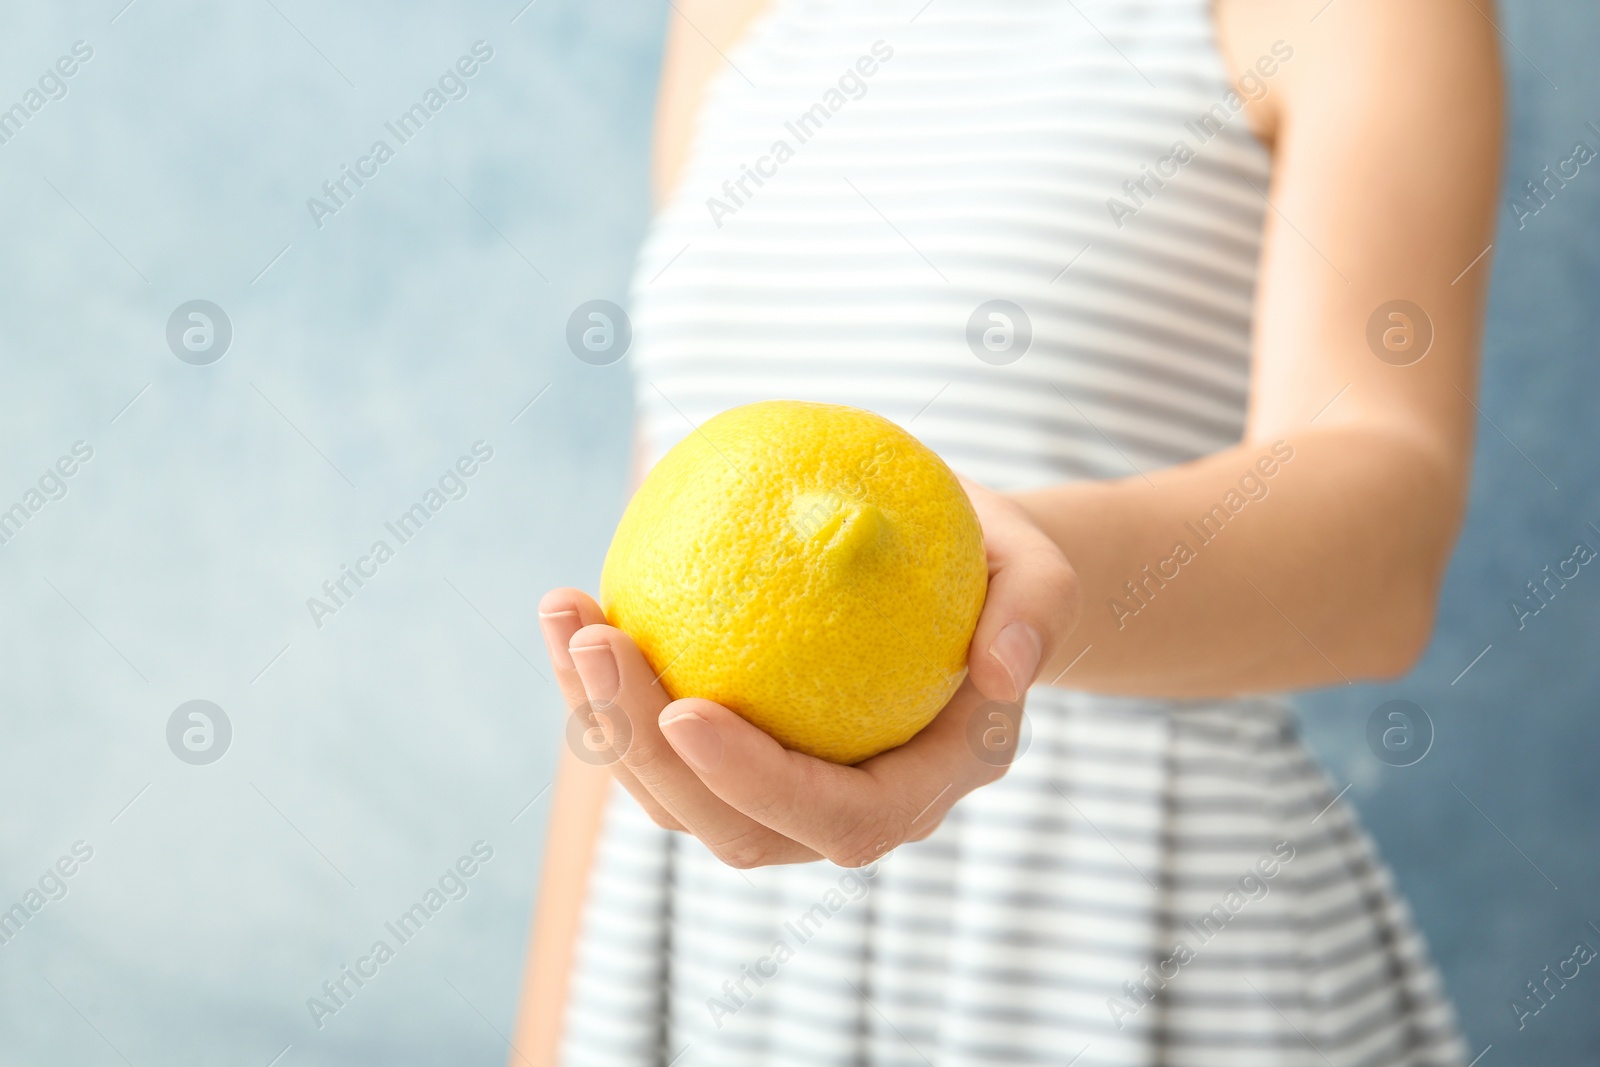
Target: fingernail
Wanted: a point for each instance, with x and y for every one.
(696, 740)
(598, 669)
(558, 628)
(1018, 649)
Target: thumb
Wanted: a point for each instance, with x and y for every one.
(1032, 603)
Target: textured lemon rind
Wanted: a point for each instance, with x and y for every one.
(813, 567)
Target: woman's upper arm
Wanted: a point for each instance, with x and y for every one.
(700, 33)
(1386, 130)
(576, 809)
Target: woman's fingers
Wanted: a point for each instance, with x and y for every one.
(617, 679)
(851, 815)
(697, 766)
(1032, 604)
(562, 613)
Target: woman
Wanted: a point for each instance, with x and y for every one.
(1212, 456)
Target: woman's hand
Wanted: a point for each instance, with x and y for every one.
(698, 767)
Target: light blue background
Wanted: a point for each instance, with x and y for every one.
(377, 749)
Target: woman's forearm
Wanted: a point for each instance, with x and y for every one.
(1307, 560)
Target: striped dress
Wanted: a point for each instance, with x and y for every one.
(1155, 882)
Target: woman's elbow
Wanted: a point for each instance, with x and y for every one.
(1408, 608)
(1398, 646)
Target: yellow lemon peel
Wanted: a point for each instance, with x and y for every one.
(813, 567)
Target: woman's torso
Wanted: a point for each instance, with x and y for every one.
(1000, 150)
(864, 185)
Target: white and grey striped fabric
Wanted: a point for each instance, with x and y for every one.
(1155, 882)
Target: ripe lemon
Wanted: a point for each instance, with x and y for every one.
(812, 567)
